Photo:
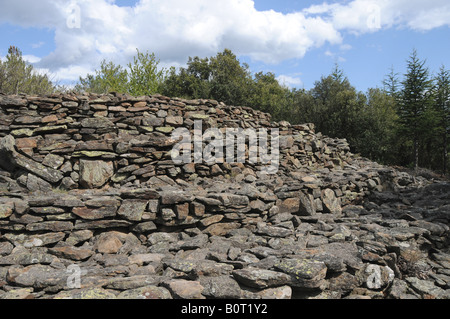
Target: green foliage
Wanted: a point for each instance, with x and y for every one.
(144, 76)
(391, 83)
(404, 123)
(230, 81)
(416, 116)
(441, 95)
(407, 122)
(378, 120)
(141, 78)
(269, 96)
(225, 79)
(109, 78)
(17, 76)
(338, 106)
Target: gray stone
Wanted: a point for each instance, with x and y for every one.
(261, 278)
(132, 209)
(307, 206)
(53, 226)
(184, 289)
(38, 276)
(272, 231)
(10, 158)
(25, 257)
(148, 292)
(97, 122)
(95, 174)
(6, 209)
(220, 287)
(304, 273)
(331, 204)
(86, 293)
(427, 288)
(53, 161)
(36, 184)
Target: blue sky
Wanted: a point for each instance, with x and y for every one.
(299, 41)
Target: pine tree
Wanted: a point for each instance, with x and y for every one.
(18, 76)
(414, 103)
(442, 105)
(391, 83)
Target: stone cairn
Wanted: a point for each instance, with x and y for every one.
(92, 206)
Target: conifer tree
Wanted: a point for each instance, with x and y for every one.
(18, 76)
(442, 105)
(415, 103)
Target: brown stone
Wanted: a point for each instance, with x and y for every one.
(138, 109)
(185, 289)
(140, 104)
(70, 252)
(182, 211)
(221, 229)
(94, 174)
(289, 205)
(211, 220)
(197, 209)
(26, 142)
(50, 118)
(109, 244)
(95, 213)
(174, 120)
(331, 204)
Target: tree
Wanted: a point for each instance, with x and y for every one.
(199, 72)
(192, 82)
(378, 139)
(391, 83)
(221, 77)
(18, 76)
(267, 95)
(144, 76)
(442, 105)
(230, 81)
(141, 78)
(337, 106)
(414, 104)
(110, 78)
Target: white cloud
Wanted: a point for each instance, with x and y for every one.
(289, 81)
(87, 31)
(31, 58)
(362, 16)
(71, 73)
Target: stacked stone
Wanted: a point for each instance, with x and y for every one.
(71, 141)
(87, 184)
(395, 245)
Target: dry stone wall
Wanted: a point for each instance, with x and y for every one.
(72, 141)
(88, 181)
